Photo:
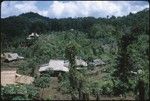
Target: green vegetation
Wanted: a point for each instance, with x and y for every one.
(18, 92)
(122, 43)
(42, 82)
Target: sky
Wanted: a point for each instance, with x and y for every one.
(65, 9)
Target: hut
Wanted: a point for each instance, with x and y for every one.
(79, 63)
(11, 56)
(97, 62)
(32, 35)
(57, 66)
(60, 66)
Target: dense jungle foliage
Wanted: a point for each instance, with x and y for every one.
(121, 42)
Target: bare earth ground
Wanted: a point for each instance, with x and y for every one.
(55, 94)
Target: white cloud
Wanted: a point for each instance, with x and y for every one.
(93, 8)
(26, 6)
(10, 8)
(60, 9)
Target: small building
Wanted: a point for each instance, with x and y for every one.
(9, 76)
(97, 62)
(32, 35)
(60, 66)
(79, 63)
(11, 56)
(57, 66)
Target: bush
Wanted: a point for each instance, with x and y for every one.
(28, 67)
(120, 88)
(18, 92)
(49, 98)
(64, 83)
(107, 88)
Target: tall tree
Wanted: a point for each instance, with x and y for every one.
(42, 82)
(70, 53)
(124, 66)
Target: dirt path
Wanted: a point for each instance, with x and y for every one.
(53, 91)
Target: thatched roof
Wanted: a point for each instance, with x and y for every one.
(24, 79)
(12, 56)
(79, 62)
(44, 67)
(55, 65)
(60, 65)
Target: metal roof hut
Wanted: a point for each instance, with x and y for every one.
(12, 56)
(97, 62)
(80, 62)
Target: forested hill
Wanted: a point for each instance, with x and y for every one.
(29, 22)
(122, 43)
(34, 16)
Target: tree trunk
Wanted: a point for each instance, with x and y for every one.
(80, 94)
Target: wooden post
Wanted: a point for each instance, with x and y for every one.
(141, 90)
(79, 89)
(73, 97)
(85, 96)
(97, 96)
